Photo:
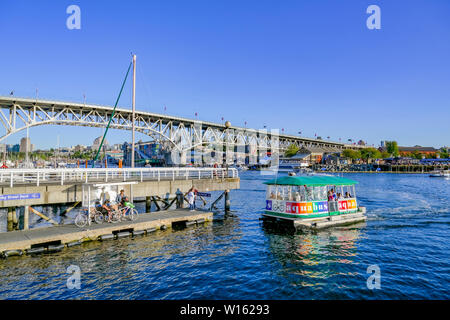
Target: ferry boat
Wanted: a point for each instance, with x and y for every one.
(305, 201)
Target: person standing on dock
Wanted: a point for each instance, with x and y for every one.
(191, 199)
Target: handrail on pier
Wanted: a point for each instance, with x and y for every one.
(13, 177)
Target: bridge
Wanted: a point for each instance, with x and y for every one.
(17, 114)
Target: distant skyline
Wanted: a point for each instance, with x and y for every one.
(309, 66)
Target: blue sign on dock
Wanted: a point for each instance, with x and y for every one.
(203, 194)
(22, 196)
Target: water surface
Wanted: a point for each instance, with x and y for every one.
(406, 235)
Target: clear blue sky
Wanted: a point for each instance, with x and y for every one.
(299, 65)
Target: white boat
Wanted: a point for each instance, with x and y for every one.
(440, 174)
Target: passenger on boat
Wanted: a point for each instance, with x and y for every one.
(330, 195)
(339, 196)
(334, 195)
(308, 193)
(348, 195)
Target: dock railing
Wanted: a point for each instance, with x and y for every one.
(11, 177)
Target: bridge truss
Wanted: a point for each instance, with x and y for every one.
(17, 114)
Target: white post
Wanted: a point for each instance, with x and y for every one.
(133, 115)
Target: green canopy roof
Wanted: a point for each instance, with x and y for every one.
(312, 181)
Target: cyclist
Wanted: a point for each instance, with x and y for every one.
(120, 199)
(107, 209)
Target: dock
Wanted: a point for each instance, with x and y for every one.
(56, 238)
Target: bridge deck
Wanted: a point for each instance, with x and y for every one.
(23, 240)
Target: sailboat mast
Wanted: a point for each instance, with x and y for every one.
(133, 114)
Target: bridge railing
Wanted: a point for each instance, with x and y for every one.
(35, 177)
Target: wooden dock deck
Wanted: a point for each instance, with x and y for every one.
(54, 238)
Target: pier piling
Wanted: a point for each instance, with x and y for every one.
(15, 220)
(227, 201)
(9, 220)
(148, 203)
(26, 218)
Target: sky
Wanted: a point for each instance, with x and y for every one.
(309, 66)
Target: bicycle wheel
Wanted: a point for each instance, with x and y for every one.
(132, 214)
(99, 217)
(116, 216)
(81, 220)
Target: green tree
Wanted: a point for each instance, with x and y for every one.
(392, 148)
(385, 155)
(352, 154)
(291, 150)
(443, 153)
(370, 153)
(416, 154)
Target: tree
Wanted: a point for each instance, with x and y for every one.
(416, 154)
(385, 155)
(392, 148)
(443, 153)
(352, 154)
(291, 150)
(370, 153)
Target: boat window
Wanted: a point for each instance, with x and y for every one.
(279, 192)
(296, 190)
(271, 192)
(290, 193)
(308, 192)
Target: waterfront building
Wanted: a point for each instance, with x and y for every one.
(424, 150)
(12, 148)
(97, 142)
(25, 145)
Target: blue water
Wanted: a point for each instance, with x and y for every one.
(406, 235)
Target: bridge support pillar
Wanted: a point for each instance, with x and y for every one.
(227, 201)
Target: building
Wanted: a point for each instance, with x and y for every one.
(2, 148)
(79, 148)
(25, 145)
(12, 148)
(115, 154)
(423, 150)
(147, 153)
(97, 143)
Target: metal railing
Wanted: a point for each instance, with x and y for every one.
(36, 177)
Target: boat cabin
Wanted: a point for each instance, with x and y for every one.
(297, 197)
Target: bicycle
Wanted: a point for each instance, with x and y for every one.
(127, 212)
(83, 217)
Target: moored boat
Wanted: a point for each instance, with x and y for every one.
(313, 201)
(440, 174)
